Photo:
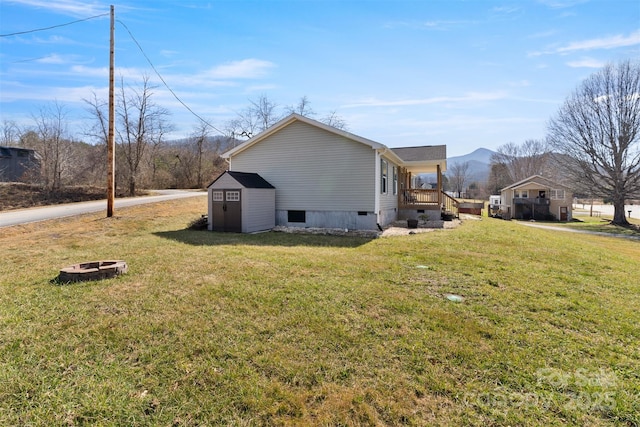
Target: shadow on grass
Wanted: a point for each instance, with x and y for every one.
(269, 238)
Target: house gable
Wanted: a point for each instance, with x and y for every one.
(312, 168)
(293, 118)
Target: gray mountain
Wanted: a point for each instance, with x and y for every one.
(479, 163)
(479, 166)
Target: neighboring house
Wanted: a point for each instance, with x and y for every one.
(18, 164)
(536, 198)
(326, 177)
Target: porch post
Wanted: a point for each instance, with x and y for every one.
(439, 185)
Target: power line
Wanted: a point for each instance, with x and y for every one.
(164, 82)
(139, 47)
(53, 26)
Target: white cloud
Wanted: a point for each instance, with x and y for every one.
(521, 83)
(103, 72)
(470, 97)
(586, 63)
(13, 92)
(80, 8)
(168, 53)
(429, 25)
(52, 59)
(561, 4)
(244, 69)
(610, 42)
(603, 43)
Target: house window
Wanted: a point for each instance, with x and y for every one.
(522, 194)
(296, 216)
(395, 180)
(384, 170)
(557, 194)
(217, 196)
(233, 196)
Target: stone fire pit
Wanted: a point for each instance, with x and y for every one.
(93, 270)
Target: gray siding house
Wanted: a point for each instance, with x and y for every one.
(18, 164)
(326, 177)
(536, 198)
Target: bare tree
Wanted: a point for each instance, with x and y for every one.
(265, 111)
(499, 178)
(10, 133)
(99, 129)
(334, 120)
(140, 126)
(524, 160)
(303, 108)
(52, 144)
(199, 144)
(597, 134)
(459, 176)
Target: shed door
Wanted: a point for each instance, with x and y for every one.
(227, 215)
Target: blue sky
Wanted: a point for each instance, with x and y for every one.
(465, 73)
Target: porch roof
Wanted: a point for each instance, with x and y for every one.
(423, 159)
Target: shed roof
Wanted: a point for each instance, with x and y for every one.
(246, 179)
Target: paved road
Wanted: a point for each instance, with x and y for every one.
(606, 210)
(24, 216)
(573, 230)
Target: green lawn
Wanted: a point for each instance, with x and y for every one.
(281, 329)
(603, 225)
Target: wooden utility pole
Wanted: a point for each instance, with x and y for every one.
(111, 167)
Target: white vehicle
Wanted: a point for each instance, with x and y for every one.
(494, 206)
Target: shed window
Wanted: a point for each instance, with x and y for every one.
(557, 194)
(233, 196)
(217, 196)
(522, 194)
(296, 216)
(384, 171)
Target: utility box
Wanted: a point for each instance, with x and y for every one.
(241, 202)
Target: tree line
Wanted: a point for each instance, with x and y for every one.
(592, 144)
(145, 158)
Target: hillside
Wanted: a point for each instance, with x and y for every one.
(479, 163)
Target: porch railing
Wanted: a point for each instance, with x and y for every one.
(422, 198)
(450, 204)
(530, 201)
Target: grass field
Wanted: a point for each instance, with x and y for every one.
(603, 225)
(281, 329)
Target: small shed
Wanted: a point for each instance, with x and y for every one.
(241, 202)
